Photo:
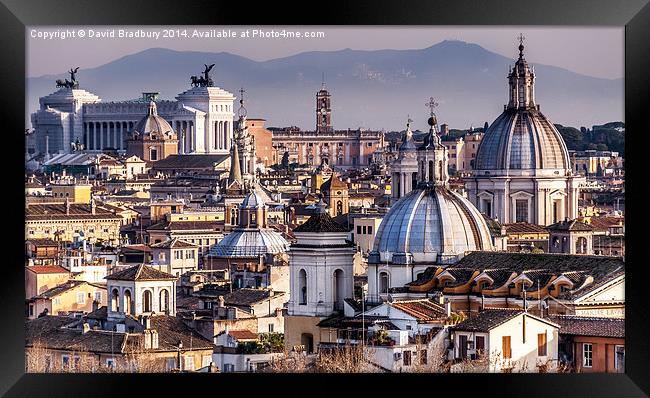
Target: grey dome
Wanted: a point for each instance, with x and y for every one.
(152, 123)
(522, 139)
(245, 242)
(253, 200)
(431, 224)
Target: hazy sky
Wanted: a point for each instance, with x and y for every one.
(594, 51)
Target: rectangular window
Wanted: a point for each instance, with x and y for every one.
(423, 357)
(587, 355)
(81, 298)
(188, 362)
(407, 358)
(521, 210)
(370, 230)
(480, 344)
(65, 361)
(170, 364)
(178, 254)
(110, 363)
(505, 347)
(487, 207)
(541, 344)
(205, 360)
(358, 229)
(270, 328)
(228, 367)
(364, 230)
(98, 297)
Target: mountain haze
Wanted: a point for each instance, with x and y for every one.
(372, 89)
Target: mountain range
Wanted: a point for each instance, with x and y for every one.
(371, 89)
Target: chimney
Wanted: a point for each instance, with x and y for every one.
(86, 328)
(270, 291)
(146, 335)
(92, 206)
(154, 339)
(221, 302)
(67, 206)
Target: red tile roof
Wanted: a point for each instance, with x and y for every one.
(48, 269)
(423, 309)
(524, 227)
(243, 335)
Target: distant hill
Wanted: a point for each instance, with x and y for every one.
(372, 89)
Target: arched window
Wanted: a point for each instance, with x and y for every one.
(164, 301)
(127, 302)
(414, 180)
(146, 301)
(233, 216)
(302, 287)
(581, 245)
(430, 170)
(115, 304)
(384, 282)
(339, 208)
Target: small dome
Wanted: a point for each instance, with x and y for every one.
(253, 200)
(152, 123)
(431, 224)
(522, 139)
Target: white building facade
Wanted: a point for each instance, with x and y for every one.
(201, 116)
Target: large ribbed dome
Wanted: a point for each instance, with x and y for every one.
(152, 123)
(431, 224)
(522, 139)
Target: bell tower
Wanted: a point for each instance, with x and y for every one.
(323, 110)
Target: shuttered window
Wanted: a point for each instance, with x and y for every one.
(541, 344)
(505, 347)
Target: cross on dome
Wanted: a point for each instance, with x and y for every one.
(431, 105)
(521, 39)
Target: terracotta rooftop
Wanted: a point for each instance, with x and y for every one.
(140, 273)
(525, 228)
(242, 335)
(173, 244)
(58, 211)
(570, 225)
(423, 310)
(320, 223)
(48, 269)
(488, 319)
(590, 326)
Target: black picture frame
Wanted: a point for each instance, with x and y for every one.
(16, 14)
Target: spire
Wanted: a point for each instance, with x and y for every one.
(235, 167)
(242, 110)
(323, 82)
(433, 137)
(522, 82)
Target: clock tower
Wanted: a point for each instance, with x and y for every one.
(323, 111)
